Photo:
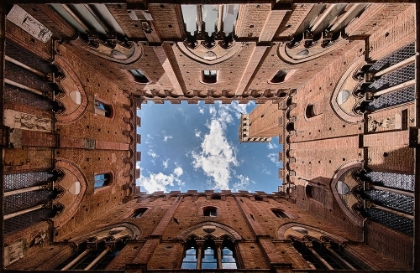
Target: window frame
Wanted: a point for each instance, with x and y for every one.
(209, 242)
(209, 79)
(139, 76)
(281, 215)
(135, 213)
(107, 180)
(104, 112)
(210, 209)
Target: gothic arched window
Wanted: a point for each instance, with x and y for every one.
(97, 252)
(326, 255)
(209, 254)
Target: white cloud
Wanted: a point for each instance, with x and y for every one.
(160, 181)
(152, 154)
(178, 171)
(272, 146)
(216, 157)
(242, 183)
(165, 163)
(201, 110)
(275, 159)
(149, 136)
(267, 172)
(165, 138)
(138, 164)
(212, 110)
(197, 133)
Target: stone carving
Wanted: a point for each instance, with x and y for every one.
(24, 121)
(15, 138)
(14, 252)
(89, 144)
(39, 239)
(385, 123)
(28, 23)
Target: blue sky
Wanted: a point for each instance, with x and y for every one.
(196, 147)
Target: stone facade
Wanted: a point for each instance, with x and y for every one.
(335, 81)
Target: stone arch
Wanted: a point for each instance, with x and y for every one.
(134, 232)
(71, 198)
(199, 53)
(346, 81)
(299, 230)
(299, 54)
(354, 218)
(74, 98)
(207, 228)
(135, 48)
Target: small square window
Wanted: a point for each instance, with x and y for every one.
(102, 109)
(209, 76)
(138, 213)
(210, 211)
(279, 213)
(280, 76)
(102, 180)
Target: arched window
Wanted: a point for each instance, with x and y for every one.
(279, 213)
(280, 76)
(210, 211)
(326, 255)
(310, 111)
(97, 253)
(209, 254)
(102, 180)
(209, 259)
(102, 109)
(190, 256)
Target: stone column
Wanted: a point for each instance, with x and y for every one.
(370, 204)
(200, 246)
(382, 188)
(317, 256)
(17, 213)
(338, 257)
(97, 259)
(35, 188)
(77, 259)
(219, 253)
